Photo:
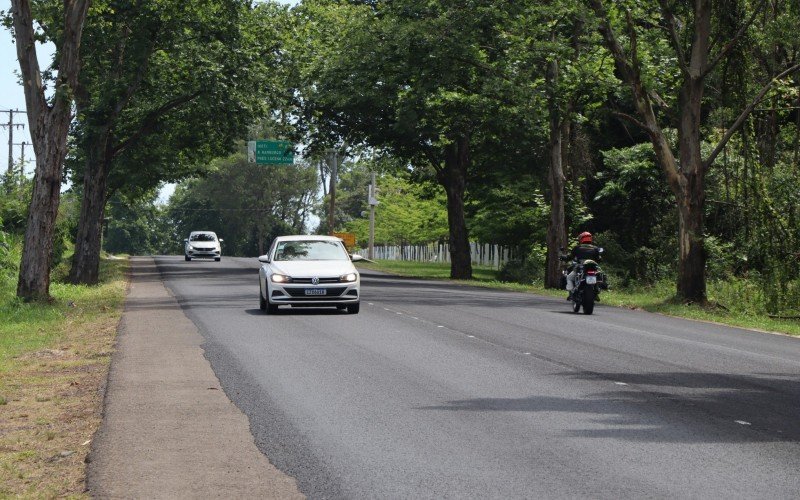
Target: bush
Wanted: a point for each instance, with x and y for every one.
(526, 270)
(13, 214)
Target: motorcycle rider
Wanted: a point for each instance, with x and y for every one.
(582, 251)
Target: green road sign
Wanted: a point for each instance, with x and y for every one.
(270, 152)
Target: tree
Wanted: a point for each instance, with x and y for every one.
(168, 85)
(561, 58)
(244, 203)
(408, 213)
(424, 74)
(697, 54)
(49, 121)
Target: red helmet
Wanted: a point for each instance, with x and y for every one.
(585, 237)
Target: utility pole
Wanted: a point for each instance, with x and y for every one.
(22, 160)
(372, 199)
(11, 126)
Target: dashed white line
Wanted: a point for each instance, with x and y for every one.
(742, 422)
(439, 326)
(620, 383)
(471, 336)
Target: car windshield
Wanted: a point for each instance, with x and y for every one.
(310, 250)
(202, 237)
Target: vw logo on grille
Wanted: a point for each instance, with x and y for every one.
(315, 281)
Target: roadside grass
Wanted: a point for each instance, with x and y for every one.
(729, 304)
(54, 360)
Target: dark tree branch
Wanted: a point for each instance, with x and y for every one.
(732, 42)
(669, 18)
(434, 159)
(743, 116)
(633, 120)
(151, 120)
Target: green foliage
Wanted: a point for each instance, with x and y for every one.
(15, 193)
(513, 214)
(10, 254)
(192, 77)
(137, 227)
(527, 270)
(408, 213)
(634, 207)
(245, 204)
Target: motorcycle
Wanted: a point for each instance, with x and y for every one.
(589, 280)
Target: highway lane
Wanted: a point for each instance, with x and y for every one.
(437, 390)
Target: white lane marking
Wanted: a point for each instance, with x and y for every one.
(397, 312)
(742, 422)
(414, 317)
(370, 303)
(439, 326)
(526, 353)
(471, 336)
(620, 383)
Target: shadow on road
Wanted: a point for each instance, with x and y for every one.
(662, 407)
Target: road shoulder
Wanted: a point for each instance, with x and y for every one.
(168, 429)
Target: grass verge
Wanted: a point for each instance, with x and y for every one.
(657, 298)
(54, 359)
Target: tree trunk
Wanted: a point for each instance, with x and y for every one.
(453, 177)
(34, 272)
(692, 259)
(556, 228)
(86, 260)
(690, 193)
(49, 125)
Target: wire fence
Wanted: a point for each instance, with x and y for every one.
(483, 254)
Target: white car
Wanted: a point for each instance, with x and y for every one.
(202, 244)
(309, 271)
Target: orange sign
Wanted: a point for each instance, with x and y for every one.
(349, 239)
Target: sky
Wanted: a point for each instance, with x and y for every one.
(13, 97)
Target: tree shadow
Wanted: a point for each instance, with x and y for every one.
(670, 407)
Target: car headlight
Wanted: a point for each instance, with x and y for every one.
(348, 278)
(280, 278)
(190, 247)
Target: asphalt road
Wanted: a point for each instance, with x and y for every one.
(443, 391)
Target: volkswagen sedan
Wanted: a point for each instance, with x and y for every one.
(308, 271)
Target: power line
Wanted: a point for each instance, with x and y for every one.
(11, 126)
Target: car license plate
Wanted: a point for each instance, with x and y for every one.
(316, 291)
(591, 280)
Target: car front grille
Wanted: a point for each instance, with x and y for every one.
(321, 280)
(331, 291)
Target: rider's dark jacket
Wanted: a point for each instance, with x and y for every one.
(585, 251)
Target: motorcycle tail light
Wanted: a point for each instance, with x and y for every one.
(591, 272)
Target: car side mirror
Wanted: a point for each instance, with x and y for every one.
(600, 249)
(186, 240)
(264, 259)
(355, 257)
(221, 240)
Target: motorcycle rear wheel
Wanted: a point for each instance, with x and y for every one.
(588, 300)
